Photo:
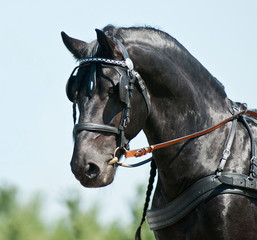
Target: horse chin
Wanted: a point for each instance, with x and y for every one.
(97, 183)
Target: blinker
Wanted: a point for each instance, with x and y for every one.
(124, 88)
(69, 88)
(71, 85)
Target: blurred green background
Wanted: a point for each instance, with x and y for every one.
(23, 221)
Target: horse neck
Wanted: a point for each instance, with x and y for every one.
(185, 98)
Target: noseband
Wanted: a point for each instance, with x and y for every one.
(128, 78)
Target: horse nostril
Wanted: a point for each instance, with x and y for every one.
(92, 170)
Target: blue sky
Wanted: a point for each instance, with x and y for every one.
(36, 118)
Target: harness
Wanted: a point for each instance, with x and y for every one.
(218, 183)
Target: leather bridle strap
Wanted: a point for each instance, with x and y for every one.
(94, 127)
(143, 151)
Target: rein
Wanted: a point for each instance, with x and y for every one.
(143, 151)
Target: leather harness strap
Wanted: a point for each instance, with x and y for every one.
(205, 188)
(143, 151)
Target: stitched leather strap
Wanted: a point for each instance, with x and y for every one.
(201, 190)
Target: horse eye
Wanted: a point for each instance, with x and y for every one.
(113, 90)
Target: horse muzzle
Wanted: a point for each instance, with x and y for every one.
(93, 175)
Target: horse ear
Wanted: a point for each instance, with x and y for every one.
(105, 42)
(75, 46)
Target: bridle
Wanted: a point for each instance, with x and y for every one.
(128, 78)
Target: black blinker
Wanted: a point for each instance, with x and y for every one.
(124, 88)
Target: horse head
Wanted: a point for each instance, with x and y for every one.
(109, 114)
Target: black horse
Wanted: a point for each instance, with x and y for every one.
(141, 78)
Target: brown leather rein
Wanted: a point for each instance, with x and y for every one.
(143, 151)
